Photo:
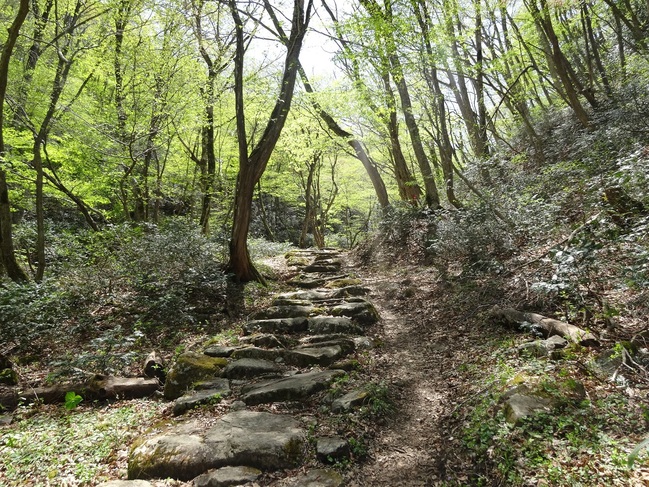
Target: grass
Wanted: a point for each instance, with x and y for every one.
(56, 447)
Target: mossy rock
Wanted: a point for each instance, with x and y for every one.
(191, 367)
(8, 377)
(343, 282)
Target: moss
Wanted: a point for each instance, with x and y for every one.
(190, 368)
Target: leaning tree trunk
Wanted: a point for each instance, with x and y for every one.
(14, 271)
(253, 165)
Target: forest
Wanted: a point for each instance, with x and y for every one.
(481, 166)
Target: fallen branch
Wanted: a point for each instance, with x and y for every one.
(548, 326)
(97, 387)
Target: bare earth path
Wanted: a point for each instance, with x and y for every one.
(417, 360)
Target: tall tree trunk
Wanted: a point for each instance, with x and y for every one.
(252, 165)
(8, 255)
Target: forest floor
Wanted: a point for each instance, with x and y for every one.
(444, 365)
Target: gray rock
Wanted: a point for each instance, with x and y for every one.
(219, 351)
(350, 401)
(292, 388)
(311, 296)
(265, 340)
(363, 343)
(316, 339)
(346, 344)
(323, 267)
(555, 342)
(306, 282)
(331, 449)
(190, 368)
(304, 357)
(262, 440)
(319, 478)
(327, 324)
(248, 368)
(238, 406)
(537, 348)
(6, 419)
(126, 483)
(362, 312)
(347, 291)
(520, 406)
(284, 312)
(218, 383)
(258, 353)
(282, 301)
(287, 325)
(199, 398)
(227, 477)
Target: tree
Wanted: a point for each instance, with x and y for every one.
(14, 271)
(253, 164)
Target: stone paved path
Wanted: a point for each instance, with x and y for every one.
(291, 351)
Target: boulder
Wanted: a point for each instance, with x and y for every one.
(248, 368)
(350, 401)
(285, 325)
(346, 345)
(331, 449)
(361, 311)
(294, 388)
(257, 439)
(227, 476)
(188, 369)
(537, 348)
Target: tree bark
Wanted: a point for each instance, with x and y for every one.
(548, 326)
(8, 255)
(252, 166)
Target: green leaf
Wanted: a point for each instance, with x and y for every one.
(72, 400)
(636, 451)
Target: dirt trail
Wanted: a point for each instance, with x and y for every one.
(416, 361)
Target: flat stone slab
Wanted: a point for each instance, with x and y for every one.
(305, 282)
(265, 340)
(350, 401)
(281, 325)
(258, 353)
(219, 351)
(311, 296)
(248, 368)
(361, 311)
(294, 388)
(324, 325)
(346, 344)
(227, 477)
(322, 355)
(199, 398)
(285, 312)
(257, 439)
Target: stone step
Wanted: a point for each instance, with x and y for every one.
(255, 439)
(294, 388)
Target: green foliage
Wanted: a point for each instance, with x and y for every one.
(72, 400)
(76, 448)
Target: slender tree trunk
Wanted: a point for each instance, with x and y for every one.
(8, 255)
(252, 166)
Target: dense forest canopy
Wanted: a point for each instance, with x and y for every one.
(128, 110)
